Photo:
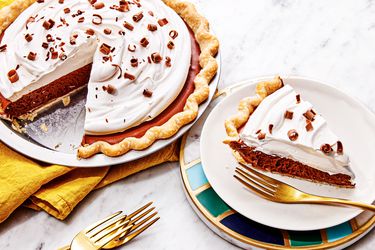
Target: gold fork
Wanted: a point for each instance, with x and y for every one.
(278, 191)
(113, 231)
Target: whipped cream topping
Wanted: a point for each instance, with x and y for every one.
(140, 52)
(273, 126)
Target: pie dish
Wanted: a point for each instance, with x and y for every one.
(143, 84)
(277, 131)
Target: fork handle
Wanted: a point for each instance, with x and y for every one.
(326, 200)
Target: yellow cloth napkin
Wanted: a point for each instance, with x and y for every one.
(56, 189)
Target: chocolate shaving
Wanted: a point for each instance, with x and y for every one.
(309, 115)
(110, 89)
(147, 93)
(132, 47)
(261, 136)
(97, 20)
(49, 38)
(105, 49)
(340, 148)
(48, 24)
(152, 27)
(258, 131)
(288, 115)
(13, 76)
(151, 13)
(173, 34)
(3, 48)
(118, 66)
(81, 19)
(168, 61)
(129, 76)
(90, 32)
(61, 1)
(128, 26)
(270, 127)
(309, 126)
(293, 135)
(121, 32)
(31, 56)
(40, 1)
(137, 17)
(30, 20)
(144, 42)
(124, 6)
(156, 57)
(63, 57)
(28, 37)
(162, 22)
(134, 62)
(107, 31)
(92, 2)
(326, 148)
(66, 10)
(99, 5)
(170, 45)
(45, 45)
(54, 55)
(298, 98)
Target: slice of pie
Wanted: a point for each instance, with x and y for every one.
(146, 64)
(277, 131)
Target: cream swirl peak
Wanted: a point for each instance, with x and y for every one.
(287, 126)
(140, 53)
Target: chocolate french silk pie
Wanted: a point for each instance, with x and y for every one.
(146, 64)
(277, 131)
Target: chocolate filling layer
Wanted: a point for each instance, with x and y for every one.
(288, 167)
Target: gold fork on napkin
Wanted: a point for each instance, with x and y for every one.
(113, 231)
(277, 191)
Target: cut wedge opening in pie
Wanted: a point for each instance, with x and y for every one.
(277, 131)
(146, 64)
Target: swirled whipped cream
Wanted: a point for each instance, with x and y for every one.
(140, 52)
(287, 126)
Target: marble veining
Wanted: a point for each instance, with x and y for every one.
(331, 41)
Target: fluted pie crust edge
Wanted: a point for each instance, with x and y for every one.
(209, 46)
(245, 108)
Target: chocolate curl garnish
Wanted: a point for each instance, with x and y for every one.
(40, 1)
(326, 148)
(105, 49)
(147, 93)
(137, 17)
(162, 22)
(118, 67)
(28, 38)
(156, 57)
(170, 45)
(270, 127)
(134, 62)
(61, 1)
(309, 126)
(107, 31)
(121, 32)
(261, 136)
(129, 76)
(288, 115)
(132, 47)
(168, 61)
(72, 41)
(90, 32)
(30, 20)
(92, 2)
(258, 131)
(13, 76)
(31, 56)
(49, 38)
(152, 27)
(340, 148)
(54, 55)
(63, 57)
(3, 48)
(81, 19)
(97, 20)
(128, 26)
(48, 24)
(309, 115)
(110, 89)
(298, 98)
(144, 42)
(99, 5)
(173, 34)
(124, 6)
(293, 135)
(151, 13)
(45, 45)
(66, 10)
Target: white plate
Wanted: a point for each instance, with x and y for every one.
(66, 129)
(350, 120)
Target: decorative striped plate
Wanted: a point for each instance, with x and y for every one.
(241, 231)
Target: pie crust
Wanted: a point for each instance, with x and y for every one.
(209, 46)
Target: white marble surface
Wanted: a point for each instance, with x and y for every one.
(328, 40)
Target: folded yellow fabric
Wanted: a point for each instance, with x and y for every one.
(56, 189)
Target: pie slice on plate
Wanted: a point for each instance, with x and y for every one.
(277, 131)
(146, 64)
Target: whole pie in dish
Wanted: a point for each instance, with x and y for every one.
(146, 64)
(277, 131)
